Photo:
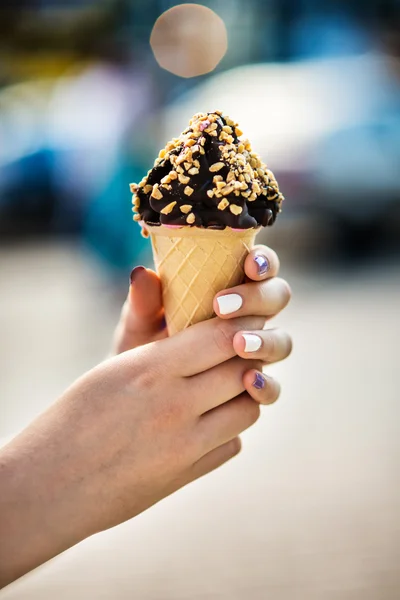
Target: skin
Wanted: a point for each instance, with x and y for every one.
(140, 425)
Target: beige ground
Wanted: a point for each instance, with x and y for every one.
(309, 511)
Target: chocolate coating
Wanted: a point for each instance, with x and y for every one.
(208, 177)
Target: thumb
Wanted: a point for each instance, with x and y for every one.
(142, 318)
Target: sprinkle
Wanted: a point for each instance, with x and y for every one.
(188, 190)
(223, 204)
(236, 210)
(169, 208)
(183, 179)
(185, 208)
(156, 192)
(216, 167)
(190, 218)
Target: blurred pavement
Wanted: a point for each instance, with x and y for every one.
(309, 511)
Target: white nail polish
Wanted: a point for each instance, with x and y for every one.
(229, 303)
(252, 342)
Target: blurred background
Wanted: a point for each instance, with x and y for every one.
(89, 92)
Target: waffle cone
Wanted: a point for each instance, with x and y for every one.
(194, 264)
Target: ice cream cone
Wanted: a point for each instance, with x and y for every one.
(194, 264)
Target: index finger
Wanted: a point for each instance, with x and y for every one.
(202, 346)
(261, 263)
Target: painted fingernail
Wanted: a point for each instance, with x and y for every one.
(259, 381)
(135, 272)
(163, 323)
(252, 342)
(262, 264)
(229, 303)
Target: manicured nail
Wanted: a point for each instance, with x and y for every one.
(135, 272)
(163, 323)
(229, 303)
(262, 264)
(252, 342)
(259, 381)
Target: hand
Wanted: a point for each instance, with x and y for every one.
(130, 432)
(142, 318)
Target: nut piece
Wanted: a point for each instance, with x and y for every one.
(156, 192)
(186, 208)
(238, 131)
(136, 217)
(193, 171)
(188, 190)
(183, 179)
(190, 218)
(173, 175)
(235, 209)
(223, 204)
(210, 193)
(216, 167)
(147, 188)
(169, 208)
(133, 187)
(230, 177)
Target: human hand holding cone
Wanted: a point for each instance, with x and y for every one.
(202, 205)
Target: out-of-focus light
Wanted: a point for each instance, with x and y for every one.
(189, 40)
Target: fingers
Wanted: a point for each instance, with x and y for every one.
(227, 421)
(261, 263)
(142, 317)
(215, 458)
(202, 346)
(268, 345)
(219, 384)
(261, 387)
(266, 298)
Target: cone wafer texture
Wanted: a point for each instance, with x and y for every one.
(194, 264)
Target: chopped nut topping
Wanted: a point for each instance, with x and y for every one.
(210, 193)
(227, 129)
(217, 178)
(187, 165)
(133, 187)
(147, 188)
(173, 175)
(223, 204)
(188, 190)
(193, 171)
(236, 210)
(216, 167)
(190, 218)
(190, 142)
(156, 192)
(186, 208)
(183, 179)
(169, 208)
(227, 189)
(230, 177)
(136, 217)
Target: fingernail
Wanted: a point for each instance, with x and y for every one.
(259, 381)
(163, 323)
(229, 303)
(135, 272)
(262, 264)
(252, 342)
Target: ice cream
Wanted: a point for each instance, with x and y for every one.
(202, 204)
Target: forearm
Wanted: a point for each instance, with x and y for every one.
(38, 499)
